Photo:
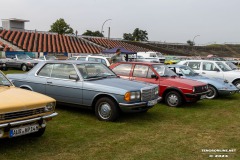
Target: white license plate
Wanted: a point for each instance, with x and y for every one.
(152, 102)
(14, 132)
(203, 97)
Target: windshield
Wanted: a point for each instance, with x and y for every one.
(23, 56)
(223, 66)
(163, 70)
(231, 65)
(51, 58)
(4, 81)
(186, 71)
(95, 70)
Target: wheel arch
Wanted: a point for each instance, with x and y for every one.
(26, 87)
(172, 89)
(97, 97)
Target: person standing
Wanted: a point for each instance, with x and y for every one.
(116, 57)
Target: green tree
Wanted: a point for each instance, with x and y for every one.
(128, 36)
(137, 35)
(61, 27)
(190, 43)
(93, 33)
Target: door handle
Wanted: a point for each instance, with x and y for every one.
(49, 82)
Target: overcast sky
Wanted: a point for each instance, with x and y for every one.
(216, 21)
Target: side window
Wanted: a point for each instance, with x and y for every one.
(123, 69)
(81, 59)
(194, 65)
(62, 71)
(150, 73)
(46, 70)
(140, 71)
(93, 59)
(72, 58)
(208, 66)
(103, 61)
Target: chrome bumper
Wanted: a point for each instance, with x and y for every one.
(27, 121)
(136, 106)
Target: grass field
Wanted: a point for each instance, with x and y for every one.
(161, 133)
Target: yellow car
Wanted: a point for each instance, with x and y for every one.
(23, 112)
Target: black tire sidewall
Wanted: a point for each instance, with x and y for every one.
(25, 66)
(113, 106)
(215, 90)
(178, 96)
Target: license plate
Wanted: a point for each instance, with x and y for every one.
(152, 102)
(14, 132)
(203, 97)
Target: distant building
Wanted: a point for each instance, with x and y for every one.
(14, 24)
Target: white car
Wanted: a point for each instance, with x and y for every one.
(46, 58)
(101, 59)
(214, 69)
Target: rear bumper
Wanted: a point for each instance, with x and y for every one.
(136, 107)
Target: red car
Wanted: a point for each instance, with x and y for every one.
(173, 89)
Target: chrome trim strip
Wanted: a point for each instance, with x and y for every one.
(28, 120)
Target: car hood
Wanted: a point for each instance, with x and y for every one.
(16, 99)
(217, 82)
(183, 82)
(116, 85)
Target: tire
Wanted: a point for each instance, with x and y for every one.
(24, 67)
(237, 83)
(213, 94)
(39, 133)
(173, 99)
(106, 109)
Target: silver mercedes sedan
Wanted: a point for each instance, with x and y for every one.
(88, 84)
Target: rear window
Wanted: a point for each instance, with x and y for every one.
(123, 69)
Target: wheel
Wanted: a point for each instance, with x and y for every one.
(237, 83)
(4, 67)
(173, 99)
(213, 93)
(106, 109)
(24, 67)
(39, 133)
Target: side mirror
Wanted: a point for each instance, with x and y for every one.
(154, 76)
(74, 77)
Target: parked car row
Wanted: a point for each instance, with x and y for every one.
(108, 91)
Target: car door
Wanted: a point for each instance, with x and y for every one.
(60, 87)
(123, 70)
(210, 69)
(144, 73)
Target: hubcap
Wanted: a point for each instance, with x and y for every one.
(24, 68)
(238, 85)
(211, 94)
(173, 99)
(104, 110)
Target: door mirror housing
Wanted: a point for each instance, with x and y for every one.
(74, 77)
(154, 76)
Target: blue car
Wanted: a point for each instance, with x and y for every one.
(217, 86)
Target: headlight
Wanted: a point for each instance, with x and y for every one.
(1, 116)
(132, 96)
(156, 91)
(50, 107)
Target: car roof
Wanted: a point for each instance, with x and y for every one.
(70, 62)
(199, 60)
(150, 63)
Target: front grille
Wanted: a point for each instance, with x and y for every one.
(21, 114)
(200, 89)
(148, 94)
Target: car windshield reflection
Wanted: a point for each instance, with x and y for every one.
(187, 71)
(23, 56)
(223, 66)
(4, 81)
(89, 71)
(164, 71)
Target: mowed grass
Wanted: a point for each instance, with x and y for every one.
(161, 133)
